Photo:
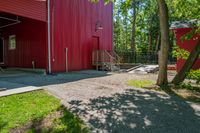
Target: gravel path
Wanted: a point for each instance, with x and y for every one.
(108, 105)
(90, 88)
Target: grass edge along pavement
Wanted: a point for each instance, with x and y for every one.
(37, 111)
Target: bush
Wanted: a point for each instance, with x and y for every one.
(195, 75)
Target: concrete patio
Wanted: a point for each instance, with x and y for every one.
(14, 82)
(11, 87)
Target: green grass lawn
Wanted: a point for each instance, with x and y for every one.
(140, 83)
(18, 110)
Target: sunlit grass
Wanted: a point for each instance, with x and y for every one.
(140, 83)
(17, 110)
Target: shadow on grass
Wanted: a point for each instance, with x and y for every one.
(69, 123)
(138, 111)
(61, 121)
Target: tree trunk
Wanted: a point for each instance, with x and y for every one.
(133, 26)
(163, 54)
(126, 31)
(157, 43)
(188, 65)
(150, 42)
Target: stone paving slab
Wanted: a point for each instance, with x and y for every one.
(8, 88)
(18, 91)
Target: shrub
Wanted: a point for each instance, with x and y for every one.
(195, 75)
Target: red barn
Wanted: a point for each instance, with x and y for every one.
(181, 28)
(56, 35)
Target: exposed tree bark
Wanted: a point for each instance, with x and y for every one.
(150, 47)
(163, 54)
(126, 32)
(133, 26)
(157, 43)
(188, 65)
(150, 42)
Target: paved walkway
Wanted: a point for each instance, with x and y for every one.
(107, 104)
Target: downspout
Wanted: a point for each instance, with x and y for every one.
(49, 36)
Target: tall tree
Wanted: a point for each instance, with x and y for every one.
(163, 54)
(133, 25)
(179, 10)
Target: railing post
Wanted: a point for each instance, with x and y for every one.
(97, 59)
(66, 57)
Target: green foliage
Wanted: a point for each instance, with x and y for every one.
(147, 22)
(189, 35)
(194, 74)
(187, 86)
(105, 1)
(16, 110)
(180, 53)
(185, 10)
(140, 83)
(69, 123)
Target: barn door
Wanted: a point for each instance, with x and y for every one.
(1, 51)
(95, 43)
(93, 47)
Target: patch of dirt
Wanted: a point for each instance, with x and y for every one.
(154, 88)
(39, 125)
(188, 94)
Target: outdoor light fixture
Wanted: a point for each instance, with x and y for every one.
(98, 26)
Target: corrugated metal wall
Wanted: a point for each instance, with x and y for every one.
(30, 44)
(35, 9)
(187, 45)
(73, 27)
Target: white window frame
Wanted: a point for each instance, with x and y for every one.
(12, 43)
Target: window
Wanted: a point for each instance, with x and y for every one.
(12, 42)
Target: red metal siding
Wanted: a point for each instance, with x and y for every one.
(73, 27)
(35, 9)
(30, 44)
(186, 45)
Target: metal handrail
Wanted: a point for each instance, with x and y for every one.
(105, 56)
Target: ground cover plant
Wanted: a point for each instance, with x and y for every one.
(195, 75)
